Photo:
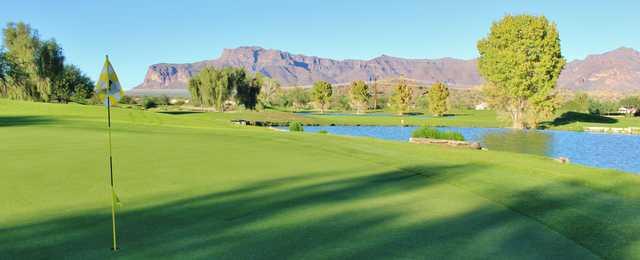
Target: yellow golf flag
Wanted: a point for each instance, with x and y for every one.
(116, 198)
(108, 85)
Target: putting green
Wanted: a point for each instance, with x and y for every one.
(194, 186)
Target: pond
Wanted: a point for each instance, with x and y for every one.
(616, 151)
(375, 114)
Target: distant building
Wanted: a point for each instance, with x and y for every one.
(482, 106)
(625, 110)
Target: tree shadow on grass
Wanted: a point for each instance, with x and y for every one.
(414, 212)
(574, 117)
(6, 121)
(180, 112)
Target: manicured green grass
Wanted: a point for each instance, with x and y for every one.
(468, 118)
(195, 186)
(434, 133)
(568, 120)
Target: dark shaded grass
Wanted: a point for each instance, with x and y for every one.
(573, 117)
(6, 121)
(279, 219)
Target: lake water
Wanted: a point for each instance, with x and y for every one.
(377, 114)
(616, 151)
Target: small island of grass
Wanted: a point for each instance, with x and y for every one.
(433, 133)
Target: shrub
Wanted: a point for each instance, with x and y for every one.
(163, 100)
(323, 132)
(126, 100)
(296, 127)
(149, 102)
(430, 132)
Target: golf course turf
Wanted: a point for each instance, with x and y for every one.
(196, 186)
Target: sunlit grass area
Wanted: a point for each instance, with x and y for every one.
(197, 186)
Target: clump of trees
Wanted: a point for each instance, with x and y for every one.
(359, 96)
(298, 97)
(321, 94)
(521, 61)
(401, 98)
(580, 103)
(34, 69)
(631, 103)
(269, 92)
(214, 87)
(463, 99)
(437, 99)
(603, 107)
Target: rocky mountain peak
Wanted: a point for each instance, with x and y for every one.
(617, 70)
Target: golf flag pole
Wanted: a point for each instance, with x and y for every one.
(108, 89)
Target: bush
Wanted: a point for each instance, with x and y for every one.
(127, 100)
(296, 127)
(323, 132)
(149, 102)
(430, 132)
(163, 100)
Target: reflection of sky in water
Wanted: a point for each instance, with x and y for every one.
(367, 115)
(600, 150)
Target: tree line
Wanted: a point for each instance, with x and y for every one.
(227, 87)
(583, 103)
(34, 69)
(215, 87)
(361, 96)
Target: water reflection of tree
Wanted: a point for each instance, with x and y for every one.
(531, 142)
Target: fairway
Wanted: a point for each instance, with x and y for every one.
(196, 186)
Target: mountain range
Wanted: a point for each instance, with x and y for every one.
(614, 71)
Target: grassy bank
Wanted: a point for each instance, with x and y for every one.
(565, 120)
(195, 186)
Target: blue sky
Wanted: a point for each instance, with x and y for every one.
(137, 34)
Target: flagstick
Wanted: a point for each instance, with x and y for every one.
(113, 199)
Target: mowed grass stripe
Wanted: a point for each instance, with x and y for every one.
(207, 189)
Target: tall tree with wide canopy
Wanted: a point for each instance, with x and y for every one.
(72, 85)
(268, 91)
(4, 74)
(22, 44)
(248, 88)
(359, 95)
(521, 61)
(401, 98)
(437, 99)
(50, 61)
(321, 94)
(214, 87)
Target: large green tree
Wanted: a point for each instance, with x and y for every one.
(50, 61)
(248, 89)
(214, 87)
(437, 96)
(401, 98)
(359, 96)
(298, 97)
(4, 74)
(268, 91)
(195, 91)
(32, 69)
(321, 94)
(521, 61)
(22, 44)
(73, 85)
